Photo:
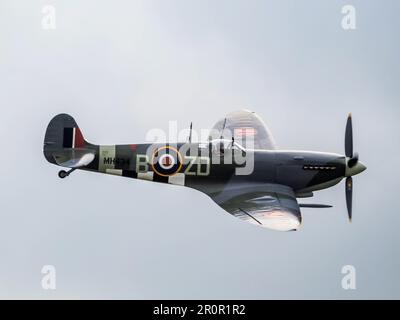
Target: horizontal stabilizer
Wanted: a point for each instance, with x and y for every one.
(73, 157)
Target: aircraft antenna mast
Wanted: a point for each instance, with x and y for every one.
(223, 128)
(190, 132)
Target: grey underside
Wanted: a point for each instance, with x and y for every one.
(248, 199)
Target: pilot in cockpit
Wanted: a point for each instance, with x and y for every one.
(220, 146)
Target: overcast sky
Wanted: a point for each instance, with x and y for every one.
(124, 67)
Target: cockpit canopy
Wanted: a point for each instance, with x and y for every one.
(220, 146)
(246, 127)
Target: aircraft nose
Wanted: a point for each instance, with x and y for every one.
(356, 169)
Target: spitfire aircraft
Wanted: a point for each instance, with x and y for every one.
(238, 167)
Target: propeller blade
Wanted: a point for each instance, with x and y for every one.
(353, 161)
(348, 139)
(349, 196)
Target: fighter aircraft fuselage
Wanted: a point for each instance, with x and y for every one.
(249, 178)
(304, 171)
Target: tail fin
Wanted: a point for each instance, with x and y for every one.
(63, 138)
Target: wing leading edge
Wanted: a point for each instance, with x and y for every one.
(271, 206)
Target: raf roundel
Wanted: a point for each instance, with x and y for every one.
(166, 161)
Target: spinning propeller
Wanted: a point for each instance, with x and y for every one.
(353, 166)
